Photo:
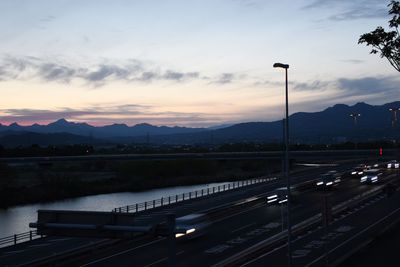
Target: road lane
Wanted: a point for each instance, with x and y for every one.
(274, 214)
(260, 223)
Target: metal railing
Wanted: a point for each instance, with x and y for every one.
(164, 201)
(31, 235)
(18, 238)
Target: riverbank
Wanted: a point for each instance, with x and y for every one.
(35, 183)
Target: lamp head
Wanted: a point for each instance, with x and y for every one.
(281, 65)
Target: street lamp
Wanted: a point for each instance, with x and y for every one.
(394, 118)
(289, 197)
(355, 116)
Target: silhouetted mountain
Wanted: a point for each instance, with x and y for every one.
(216, 127)
(331, 125)
(109, 131)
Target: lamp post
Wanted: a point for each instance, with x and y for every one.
(355, 116)
(289, 197)
(394, 118)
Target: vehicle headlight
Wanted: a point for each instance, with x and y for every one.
(190, 231)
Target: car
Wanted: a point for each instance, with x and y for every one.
(359, 170)
(371, 176)
(393, 164)
(328, 180)
(278, 196)
(191, 226)
(377, 165)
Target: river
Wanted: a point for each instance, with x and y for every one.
(15, 220)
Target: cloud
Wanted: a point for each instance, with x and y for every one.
(49, 18)
(384, 87)
(101, 115)
(28, 68)
(363, 13)
(352, 10)
(225, 78)
(311, 86)
(148, 76)
(388, 85)
(353, 61)
(52, 72)
(250, 3)
(179, 76)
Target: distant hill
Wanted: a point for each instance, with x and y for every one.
(331, 125)
(108, 131)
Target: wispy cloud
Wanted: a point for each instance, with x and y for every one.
(48, 18)
(353, 61)
(228, 78)
(311, 86)
(352, 10)
(225, 78)
(28, 68)
(28, 115)
(345, 87)
(180, 76)
(102, 115)
(250, 3)
(387, 85)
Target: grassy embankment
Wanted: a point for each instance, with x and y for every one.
(36, 183)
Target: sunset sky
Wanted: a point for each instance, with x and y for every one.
(194, 63)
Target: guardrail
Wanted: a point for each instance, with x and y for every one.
(281, 238)
(31, 235)
(18, 238)
(164, 201)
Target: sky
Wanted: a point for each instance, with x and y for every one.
(195, 63)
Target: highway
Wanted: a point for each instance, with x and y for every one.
(231, 232)
(330, 245)
(227, 236)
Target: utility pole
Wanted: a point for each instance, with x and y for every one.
(171, 240)
(394, 116)
(289, 197)
(355, 116)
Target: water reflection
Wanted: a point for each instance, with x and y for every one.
(15, 220)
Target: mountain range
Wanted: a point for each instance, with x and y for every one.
(331, 125)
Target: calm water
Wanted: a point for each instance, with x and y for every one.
(15, 220)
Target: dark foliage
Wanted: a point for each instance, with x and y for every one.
(387, 43)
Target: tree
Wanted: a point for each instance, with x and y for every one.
(387, 43)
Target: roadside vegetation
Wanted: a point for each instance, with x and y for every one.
(22, 184)
(85, 150)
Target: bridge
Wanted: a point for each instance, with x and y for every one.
(244, 229)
